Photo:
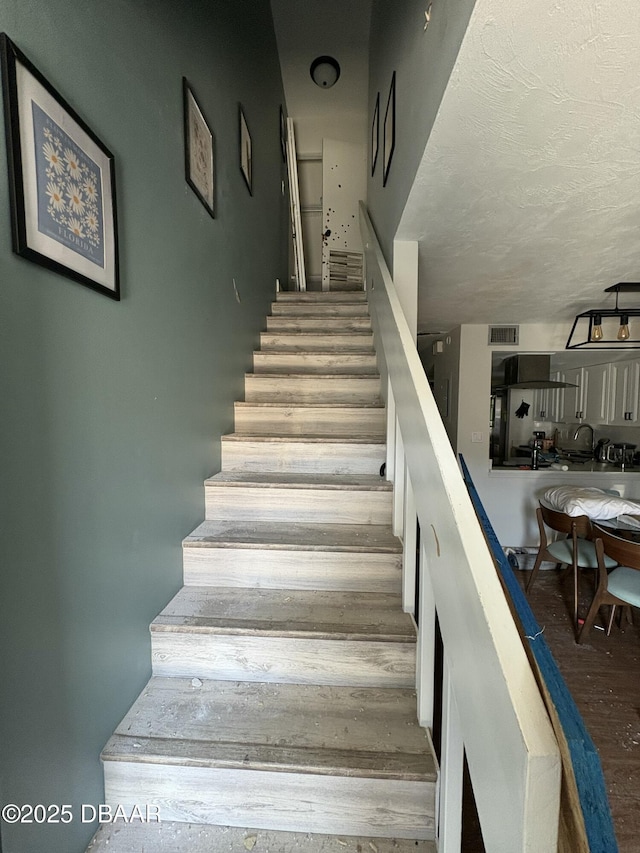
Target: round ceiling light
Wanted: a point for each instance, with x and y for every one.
(325, 71)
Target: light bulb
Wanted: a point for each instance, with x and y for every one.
(596, 329)
(623, 331)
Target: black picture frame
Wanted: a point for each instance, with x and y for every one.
(389, 131)
(245, 150)
(199, 150)
(61, 180)
(283, 135)
(375, 135)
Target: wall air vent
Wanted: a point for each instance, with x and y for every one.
(503, 335)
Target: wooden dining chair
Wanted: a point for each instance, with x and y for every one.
(575, 550)
(620, 586)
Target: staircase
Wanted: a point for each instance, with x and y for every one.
(283, 671)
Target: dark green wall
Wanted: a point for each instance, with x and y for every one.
(111, 413)
(423, 61)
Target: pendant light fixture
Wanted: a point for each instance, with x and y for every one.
(587, 327)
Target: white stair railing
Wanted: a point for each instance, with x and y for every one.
(294, 204)
(492, 710)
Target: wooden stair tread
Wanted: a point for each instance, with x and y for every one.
(309, 406)
(347, 731)
(178, 837)
(308, 439)
(300, 614)
(336, 350)
(329, 333)
(320, 296)
(299, 481)
(359, 538)
(306, 377)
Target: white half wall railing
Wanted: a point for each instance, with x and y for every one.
(294, 207)
(492, 710)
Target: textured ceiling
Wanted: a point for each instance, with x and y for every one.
(527, 201)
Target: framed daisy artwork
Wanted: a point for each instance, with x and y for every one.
(198, 150)
(61, 180)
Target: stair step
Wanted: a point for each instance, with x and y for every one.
(176, 837)
(317, 309)
(341, 285)
(273, 361)
(320, 296)
(286, 636)
(310, 341)
(298, 498)
(267, 555)
(342, 455)
(299, 758)
(312, 388)
(318, 324)
(300, 418)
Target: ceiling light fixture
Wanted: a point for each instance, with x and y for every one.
(325, 71)
(589, 323)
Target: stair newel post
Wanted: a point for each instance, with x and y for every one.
(449, 809)
(409, 540)
(398, 484)
(426, 644)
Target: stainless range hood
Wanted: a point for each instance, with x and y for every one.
(529, 371)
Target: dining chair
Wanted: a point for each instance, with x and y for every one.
(575, 550)
(620, 586)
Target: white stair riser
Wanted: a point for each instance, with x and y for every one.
(309, 341)
(288, 660)
(302, 457)
(271, 568)
(315, 506)
(320, 297)
(298, 362)
(312, 389)
(311, 324)
(336, 286)
(262, 799)
(284, 309)
(309, 420)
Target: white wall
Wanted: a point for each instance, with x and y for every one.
(304, 31)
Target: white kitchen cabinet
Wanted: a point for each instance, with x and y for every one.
(596, 381)
(624, 393)
(548, 402)
(541, 404)
(556, 398)
(573, 409)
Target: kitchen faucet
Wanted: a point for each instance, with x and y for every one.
(593, 438)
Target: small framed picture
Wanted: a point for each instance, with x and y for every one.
(389, 133)
(198, 150)
(61, 180)
(283, 135)
(375, 134)
(245, 151)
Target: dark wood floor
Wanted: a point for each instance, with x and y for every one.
(603, 675)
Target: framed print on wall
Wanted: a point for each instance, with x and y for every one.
(283, 135)
(375, 134)
(198, 150)
(389, 131)
(61, 180)
(245, 151)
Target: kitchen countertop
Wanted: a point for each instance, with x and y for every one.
(590, 467)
